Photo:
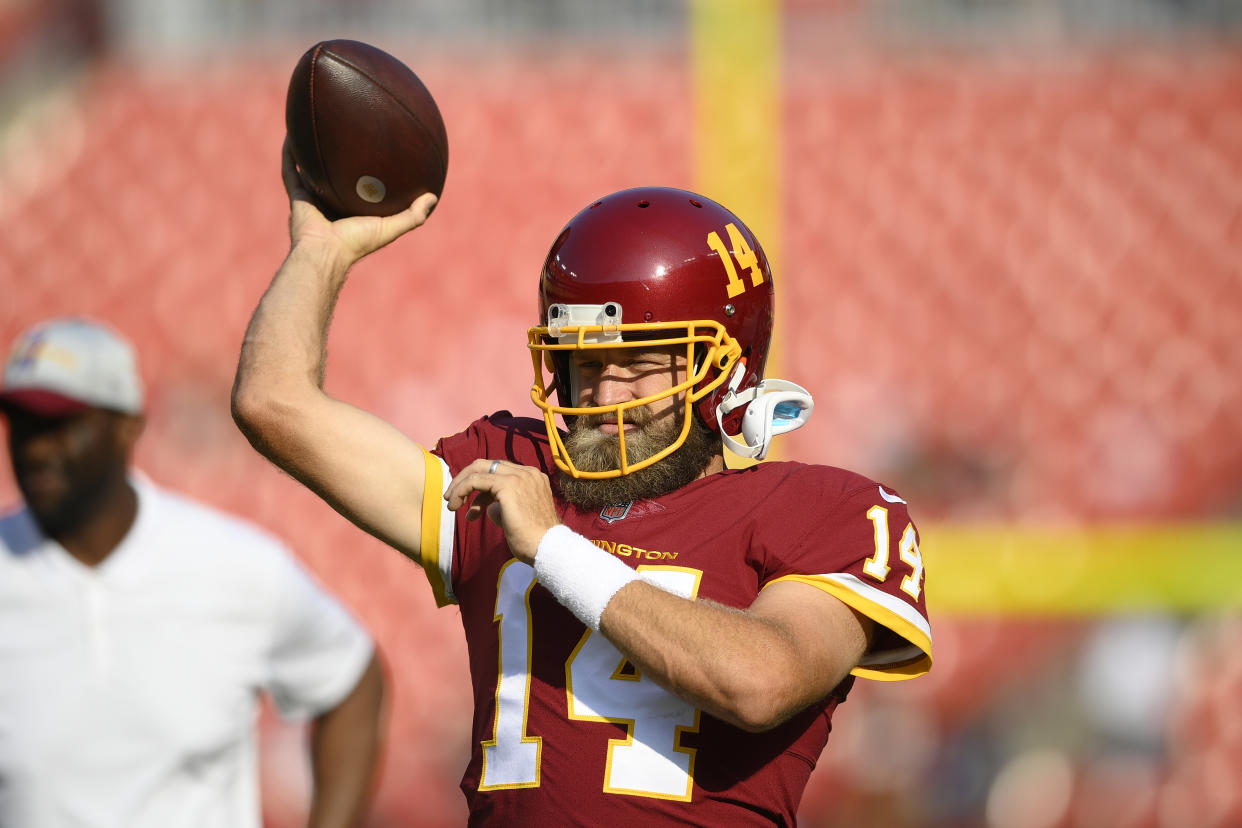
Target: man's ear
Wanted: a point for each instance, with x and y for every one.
(128, 429)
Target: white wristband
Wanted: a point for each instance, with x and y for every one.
(579, 574)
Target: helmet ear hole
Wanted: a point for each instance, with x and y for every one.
(700, 354)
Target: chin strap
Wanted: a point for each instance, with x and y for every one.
(775, 407)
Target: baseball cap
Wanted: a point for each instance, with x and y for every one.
(64, 366)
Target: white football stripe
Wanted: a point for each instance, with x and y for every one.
(448, 522)
(891, 498)
(894, 605)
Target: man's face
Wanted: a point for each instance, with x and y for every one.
(615, 376)
(618, 375)
(64, 466)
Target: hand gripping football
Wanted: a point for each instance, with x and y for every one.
(366, 134)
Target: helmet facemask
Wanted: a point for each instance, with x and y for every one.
(710, 354)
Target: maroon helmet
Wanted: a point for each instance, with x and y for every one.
(655, 266)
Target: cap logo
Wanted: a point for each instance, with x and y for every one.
(25, 352)
(34, 349)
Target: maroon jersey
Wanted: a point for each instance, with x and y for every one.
(566, 730)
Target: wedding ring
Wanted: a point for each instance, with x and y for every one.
(492, 468)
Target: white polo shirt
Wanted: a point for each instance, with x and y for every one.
(128, 692)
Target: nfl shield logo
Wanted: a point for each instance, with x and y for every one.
(615, 512)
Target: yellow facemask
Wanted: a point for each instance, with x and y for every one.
(550, 346)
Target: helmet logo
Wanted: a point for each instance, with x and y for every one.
(746, 259)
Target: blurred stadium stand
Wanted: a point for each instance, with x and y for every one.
(1010, 271)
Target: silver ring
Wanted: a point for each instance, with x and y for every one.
(492, 468)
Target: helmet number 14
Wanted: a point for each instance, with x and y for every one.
(746, 258)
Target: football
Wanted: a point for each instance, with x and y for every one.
(366, 134)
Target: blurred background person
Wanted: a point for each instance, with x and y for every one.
(137, 627)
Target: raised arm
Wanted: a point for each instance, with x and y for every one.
(363, 467)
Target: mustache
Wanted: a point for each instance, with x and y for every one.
(639, 416)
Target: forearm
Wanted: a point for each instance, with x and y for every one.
(729, 663)
(284, 345)
(360, 465)
(283, 350)
(753, 668)
(344, 747)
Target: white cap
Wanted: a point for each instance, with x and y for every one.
(63, 366)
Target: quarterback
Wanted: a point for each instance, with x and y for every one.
(654, 638)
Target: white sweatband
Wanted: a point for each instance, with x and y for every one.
(579, 574)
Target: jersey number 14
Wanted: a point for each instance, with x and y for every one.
(601, 687)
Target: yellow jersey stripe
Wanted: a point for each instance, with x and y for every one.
(888, 611)
(436, 554)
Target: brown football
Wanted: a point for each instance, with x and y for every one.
(366, 134)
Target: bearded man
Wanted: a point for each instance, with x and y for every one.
(654, 638)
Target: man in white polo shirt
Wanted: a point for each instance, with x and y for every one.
(138, 627)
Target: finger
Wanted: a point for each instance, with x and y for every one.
(460, 479)
(424, 204)
(472, 478)
(483, 502)
(413, 216)
(459, 492)
(459, 498)
(289, 171)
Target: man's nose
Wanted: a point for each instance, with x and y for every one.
(33, 438)
(31, 445)
(612, 387)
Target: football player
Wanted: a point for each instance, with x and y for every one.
(654, 638)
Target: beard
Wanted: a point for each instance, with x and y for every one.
(70, 512)
(594, 451)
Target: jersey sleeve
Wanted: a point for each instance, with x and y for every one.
(439, 524)
(865, 552)
(319, 651)
(500, 436)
